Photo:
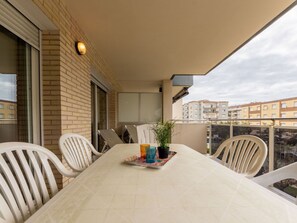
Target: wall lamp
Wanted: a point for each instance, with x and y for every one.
(80, 48)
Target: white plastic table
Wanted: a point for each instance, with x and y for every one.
(190, 188)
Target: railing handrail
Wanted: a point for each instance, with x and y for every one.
(252, 119)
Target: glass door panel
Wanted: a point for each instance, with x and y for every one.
(98, 114)
(15, 88)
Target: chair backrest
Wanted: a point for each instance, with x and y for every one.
(77, 151)
(145, 134)
(26, 179)
(110, 138)
(283, 173)
(245, 154)
(132, 131)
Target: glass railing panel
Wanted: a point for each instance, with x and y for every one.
(219, 133)
(285, 153)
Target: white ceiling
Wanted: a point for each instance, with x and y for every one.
(150, 40)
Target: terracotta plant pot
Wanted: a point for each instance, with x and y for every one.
(163, 152)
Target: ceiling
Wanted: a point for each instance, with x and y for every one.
(149, 41)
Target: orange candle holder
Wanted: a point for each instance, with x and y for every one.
(143, 148)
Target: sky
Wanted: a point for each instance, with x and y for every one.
(7, 87)
(264, 69)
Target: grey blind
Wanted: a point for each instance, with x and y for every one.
(15, 22)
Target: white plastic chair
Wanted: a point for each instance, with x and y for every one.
(27, 181)
(287, 172)
(145, 134)
(132, 131)
(244, 154)
(77, 151)
(110, 138)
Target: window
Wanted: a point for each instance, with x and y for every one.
(251, 109)
(295, 103)
(11, 116)
(283, 124)
(284, 105)
(294, 124)
(1, 116)
(11, 107)
(265, 116)
(1, 106)
(258, 108)
(258, 116)
(273, 106)
(283, 115)
(295, 114)
(273, 115)
(265, 107)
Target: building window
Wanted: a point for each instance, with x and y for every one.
(295, 114)
(273, 115)
(283, 124)
(265, 116)
(295, 103)
(265, 107)
(251, 109)
(1, 115)
(11, 107)
(11, 116)
(258, 108)
(1, 106)
(283, 115)
(294, 124)
(284, 105)
(258, 116)
(273, 106)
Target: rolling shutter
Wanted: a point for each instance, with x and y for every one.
(14, 21)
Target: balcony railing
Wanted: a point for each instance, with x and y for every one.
(281, 141)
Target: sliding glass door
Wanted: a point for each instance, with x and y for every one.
(98, 113)
(19, 65)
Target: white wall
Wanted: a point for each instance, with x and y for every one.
(177, 110)
(192, 135)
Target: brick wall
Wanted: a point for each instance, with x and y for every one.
(66, 79)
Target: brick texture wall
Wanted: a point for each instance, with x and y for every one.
(66, 79)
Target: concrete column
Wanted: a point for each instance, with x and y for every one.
(167, 100)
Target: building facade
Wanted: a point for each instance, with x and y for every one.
(205, 110)
(282, 108)
(8, 110)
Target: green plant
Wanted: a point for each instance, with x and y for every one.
(163, 132)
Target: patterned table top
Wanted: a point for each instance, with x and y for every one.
(190, 188)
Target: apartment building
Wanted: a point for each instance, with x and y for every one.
(205, 109)
(282, 108)
(7, 110)
(234, 112)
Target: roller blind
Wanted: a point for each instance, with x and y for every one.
(14, 21)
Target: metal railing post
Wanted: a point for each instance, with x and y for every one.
(209, 136)
(271, 147)
(231, 129)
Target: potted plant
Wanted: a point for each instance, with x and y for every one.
(163, 132)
